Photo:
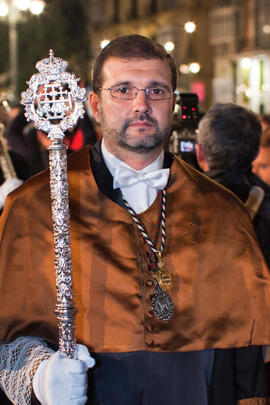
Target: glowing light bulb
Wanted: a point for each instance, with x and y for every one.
(185, 69)
(245, 63)
(195, 67)
(169, 46)
(266, 29)
(190, 27)
(104, 43)
(3, 9)
(36, 6)
(22, 4)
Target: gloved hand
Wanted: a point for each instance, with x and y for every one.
(63, 381)
(6, 188)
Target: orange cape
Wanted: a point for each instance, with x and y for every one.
(221, 283)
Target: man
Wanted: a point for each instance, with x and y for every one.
(261, 164)
(172, 295)
(228, 140)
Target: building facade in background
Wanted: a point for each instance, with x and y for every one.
(230, 45)
(240, 38)
(163, 21)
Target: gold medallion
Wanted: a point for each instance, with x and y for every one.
(163, 277)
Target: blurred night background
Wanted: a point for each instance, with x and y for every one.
(222, 48)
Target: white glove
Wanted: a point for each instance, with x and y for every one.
(63, 381)
(6, 188)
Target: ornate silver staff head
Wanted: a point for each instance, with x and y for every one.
(53, 101)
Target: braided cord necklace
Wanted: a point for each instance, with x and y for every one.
(162, 304)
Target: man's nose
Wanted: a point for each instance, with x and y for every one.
(141, 102)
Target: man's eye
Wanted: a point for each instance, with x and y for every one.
(157, 91)
(123, 90)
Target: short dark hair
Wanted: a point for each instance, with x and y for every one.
(230, 136)
(131, 46)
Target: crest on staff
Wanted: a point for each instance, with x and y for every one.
(53, 100)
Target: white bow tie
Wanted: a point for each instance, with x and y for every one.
(125, 176)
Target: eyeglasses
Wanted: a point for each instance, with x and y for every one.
(126, 92)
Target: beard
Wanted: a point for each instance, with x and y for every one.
(139, 144)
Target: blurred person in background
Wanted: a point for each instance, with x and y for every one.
(228, 141)
(261, 163)
(14, 169)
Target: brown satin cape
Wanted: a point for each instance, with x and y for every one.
(221, 284)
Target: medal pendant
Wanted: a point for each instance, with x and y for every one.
(162, 304)
(163, 277)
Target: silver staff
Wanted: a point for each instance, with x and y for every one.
(54, 102)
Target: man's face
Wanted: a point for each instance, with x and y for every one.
(261, 165)
(140, 125)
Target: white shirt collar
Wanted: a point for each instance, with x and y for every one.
(112, 162)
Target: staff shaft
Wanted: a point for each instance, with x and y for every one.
(65, 308)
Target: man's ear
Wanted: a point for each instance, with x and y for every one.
(94, 102)
(201, 158)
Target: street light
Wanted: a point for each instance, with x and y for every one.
(169, 46)
(184, 68)
(195, 67)
(3, 9)
(104, 43)
(190, 27)
(245, 63)
(22, 5)
(11, 9)
(36, 6)
(266, 29)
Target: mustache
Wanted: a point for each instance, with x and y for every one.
(144, 117)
